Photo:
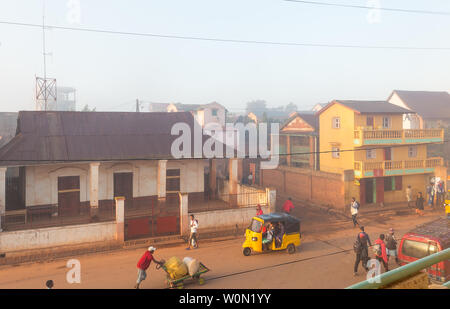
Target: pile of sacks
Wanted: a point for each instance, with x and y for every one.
(178, 269)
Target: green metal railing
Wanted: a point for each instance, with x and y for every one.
(403, 272)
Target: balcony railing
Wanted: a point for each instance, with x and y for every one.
(394, 168)
(364, 137)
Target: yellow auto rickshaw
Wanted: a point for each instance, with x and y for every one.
(447, 204)
(272, 232)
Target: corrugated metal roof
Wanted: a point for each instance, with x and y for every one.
(428, 104)
(53, 136)
(308, 116)
(373, 107)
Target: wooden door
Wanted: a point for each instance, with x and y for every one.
(379, 190)
(387, 154)
(369, 121)
(253, 172)
(362, 191)
(368, 183)
(123, 186)
(69, 196)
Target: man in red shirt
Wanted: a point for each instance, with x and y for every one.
(259, 210)
(143, 265)
(381, 255)
(288, 206)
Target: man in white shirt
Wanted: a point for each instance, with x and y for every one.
(250, 179)
(354, 207)
(409, 195)
(193, 237)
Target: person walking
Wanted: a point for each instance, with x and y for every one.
(432, 194)
(440, 193)
(259, 211)
(419, 204)
(409, 195)
(288, 206)
(428, 195)
(391, 246)
(361, 248)
(193, 236)
(250, 179)
(380, 252)
(354, 209)
(144, 263)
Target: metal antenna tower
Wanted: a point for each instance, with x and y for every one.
(45, 87)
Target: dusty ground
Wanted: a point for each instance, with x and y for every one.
(324, 260)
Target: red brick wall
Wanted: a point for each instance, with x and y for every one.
(317, 187)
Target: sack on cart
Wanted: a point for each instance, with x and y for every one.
(176, 268)
(192, 265)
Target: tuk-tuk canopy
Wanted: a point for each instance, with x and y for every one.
(291, 224)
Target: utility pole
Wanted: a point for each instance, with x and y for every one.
(137, 105)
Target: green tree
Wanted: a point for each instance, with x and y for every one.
(87, 109)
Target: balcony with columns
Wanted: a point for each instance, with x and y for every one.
(364, 137)
(396, 168)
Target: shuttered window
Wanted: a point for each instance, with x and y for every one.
(173, 180)
(398, 183)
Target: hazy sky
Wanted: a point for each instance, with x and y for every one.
(111, 71)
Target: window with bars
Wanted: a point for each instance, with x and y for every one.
(371, 153)
(386, 122)
(336, 122)
(412, 151)
(393, 183)
(335, 152)
(172, 180)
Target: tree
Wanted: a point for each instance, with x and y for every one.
(256, 106)
(86, 109)
(291, 107)
(264, 118)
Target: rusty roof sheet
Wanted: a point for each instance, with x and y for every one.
(56, 136)
(428, 104)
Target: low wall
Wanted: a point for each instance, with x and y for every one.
(226, 219)
(57, 236)
(309, 185)
(245, 195)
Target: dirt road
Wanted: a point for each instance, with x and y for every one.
(324, 260)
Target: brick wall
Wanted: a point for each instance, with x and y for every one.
(304, 184)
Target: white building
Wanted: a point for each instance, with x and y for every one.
(432, 108)
(70, 163)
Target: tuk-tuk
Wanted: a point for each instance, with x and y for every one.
(447, 204)
(285, 233)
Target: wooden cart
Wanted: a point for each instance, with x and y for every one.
(178, 283)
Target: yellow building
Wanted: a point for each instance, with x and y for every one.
(368, 138)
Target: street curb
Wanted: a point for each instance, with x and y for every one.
(52, 254)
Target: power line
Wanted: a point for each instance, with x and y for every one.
(166, 36)
(237, 157)
(370, 8)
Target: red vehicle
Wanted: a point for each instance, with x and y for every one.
(424, 240)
